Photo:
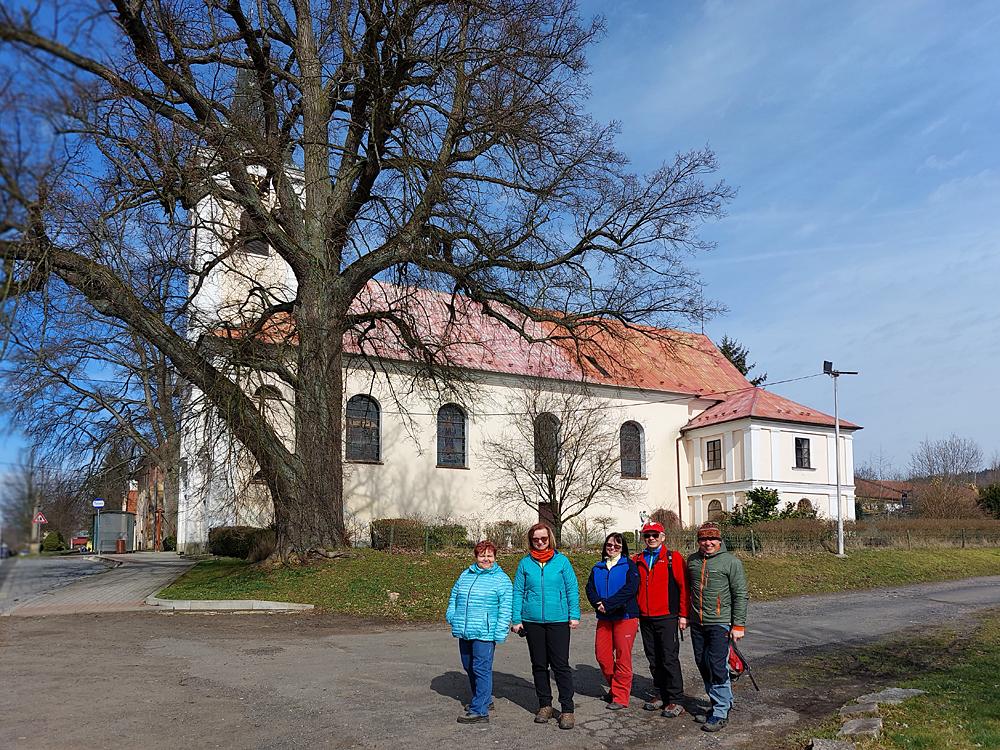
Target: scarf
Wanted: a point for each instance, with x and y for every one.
(612, 561)
(543, 556)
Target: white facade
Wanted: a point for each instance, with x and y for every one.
(761, 453)
(217, 485)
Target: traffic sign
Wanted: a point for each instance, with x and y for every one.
(39, 518)
(98, 503)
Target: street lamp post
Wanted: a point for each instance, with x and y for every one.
(834, 374)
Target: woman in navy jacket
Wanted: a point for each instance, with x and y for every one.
(611, 589)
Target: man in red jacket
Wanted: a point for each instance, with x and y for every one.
(663, 608)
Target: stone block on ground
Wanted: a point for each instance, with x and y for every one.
(890, 695)
(859, 709)
(861, 728)
(817, 744)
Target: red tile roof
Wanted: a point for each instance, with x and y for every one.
(464, 336)
(760, 404)
(882, 489)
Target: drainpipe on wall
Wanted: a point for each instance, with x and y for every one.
(680, 502)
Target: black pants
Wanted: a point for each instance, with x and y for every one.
(662, 647)
(548, 646)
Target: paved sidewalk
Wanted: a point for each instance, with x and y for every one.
(120, 589)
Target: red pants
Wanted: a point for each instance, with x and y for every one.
(613, 647)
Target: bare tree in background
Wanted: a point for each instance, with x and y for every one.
(31, 487)
(951, 460)
(560, 457)
(877, 468)
(84, 387)
(949, 468)
(423, 143)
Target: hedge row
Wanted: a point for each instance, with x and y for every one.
(240, 541)
(408, 533)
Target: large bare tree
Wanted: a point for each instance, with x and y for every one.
(424, 143)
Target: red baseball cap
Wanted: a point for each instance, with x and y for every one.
(653, 526)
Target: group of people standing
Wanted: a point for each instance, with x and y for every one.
(656, 593)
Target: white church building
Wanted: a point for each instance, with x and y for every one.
(695, 435)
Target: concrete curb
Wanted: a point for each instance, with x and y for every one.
(223, 605)
(110, 562)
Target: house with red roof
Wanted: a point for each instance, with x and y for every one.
(699, 435)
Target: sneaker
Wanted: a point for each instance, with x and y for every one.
(543, 714)
(493, 706)
(612, 706)
(473, 719)
(714, 724)
(702, 718)
(653, 704)
(672, 710)
(567, 720)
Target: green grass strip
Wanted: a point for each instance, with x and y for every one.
(361, 585)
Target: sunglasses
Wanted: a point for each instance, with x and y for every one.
(612, 544)
(709, 539)
(651, 534)
(539, 539)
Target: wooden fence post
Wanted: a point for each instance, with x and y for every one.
(427, 540)
(753, 543)
(907, 539)
(392, 534)
(963, 538)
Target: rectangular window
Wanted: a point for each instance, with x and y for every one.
(802, 453)
(713, 455)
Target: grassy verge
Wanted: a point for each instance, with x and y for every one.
(957, 669)
(361, 585)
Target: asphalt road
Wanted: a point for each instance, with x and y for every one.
(293, 681)
(24, 578)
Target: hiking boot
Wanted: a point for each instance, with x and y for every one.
(702, 718)
(672, 710)
(545, 713)
(567, 720)
(653, 704)
(473, 719)
(493, 706)
(612, 706)
(606, 697)
(714, 724)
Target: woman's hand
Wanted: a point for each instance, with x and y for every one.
(574, 624)
(516, 628)
(600, 608)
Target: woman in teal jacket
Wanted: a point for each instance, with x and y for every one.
(546, 608)
(479, 615)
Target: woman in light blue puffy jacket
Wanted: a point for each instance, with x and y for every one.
(479, 615)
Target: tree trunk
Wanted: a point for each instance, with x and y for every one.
(309, 502)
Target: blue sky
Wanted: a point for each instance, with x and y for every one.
(862, 138)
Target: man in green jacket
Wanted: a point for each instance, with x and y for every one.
(718, 614)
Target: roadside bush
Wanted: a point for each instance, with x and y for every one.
(505, 534)
(262, 545)
(53, 542)
(670, 520)
(170, 544)
(234, 541)
(405, 533)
